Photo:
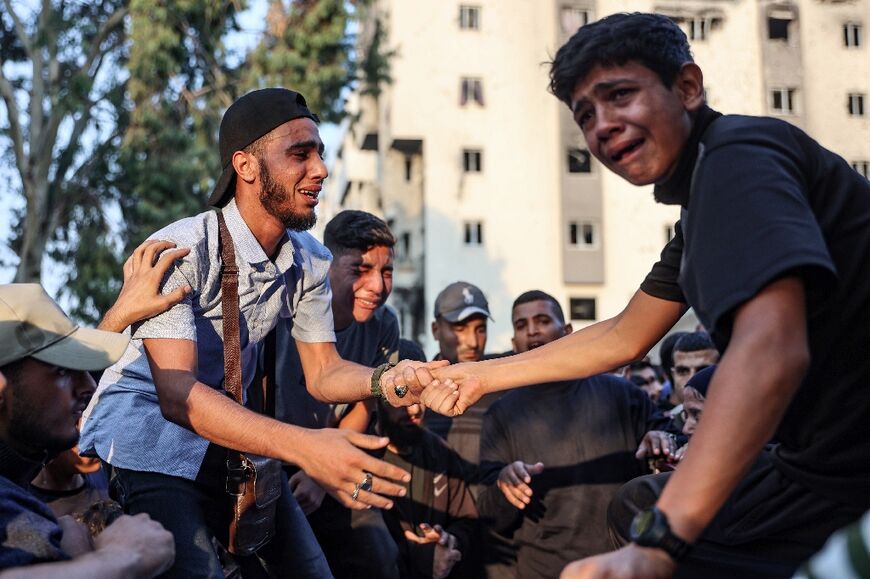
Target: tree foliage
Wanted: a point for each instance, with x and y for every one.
(112, 114)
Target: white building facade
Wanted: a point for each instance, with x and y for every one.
(484, 177)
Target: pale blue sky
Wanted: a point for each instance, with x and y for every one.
(251, 22)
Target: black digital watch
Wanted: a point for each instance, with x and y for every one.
(650, 528)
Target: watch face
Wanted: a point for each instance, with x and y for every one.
(642, 523)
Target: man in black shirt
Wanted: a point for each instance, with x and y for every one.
(771, 252)
(553, 455)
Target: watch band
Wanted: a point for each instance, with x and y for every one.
(650, 528)
(376, 380)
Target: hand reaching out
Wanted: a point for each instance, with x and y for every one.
(333, 459)
(657, 444)
(514, 479)
(446, 552)
(409, 374)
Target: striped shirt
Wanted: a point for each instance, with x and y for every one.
(123, 424)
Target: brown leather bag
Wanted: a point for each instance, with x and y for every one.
(253, 482)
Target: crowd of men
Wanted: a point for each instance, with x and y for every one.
(527, 464)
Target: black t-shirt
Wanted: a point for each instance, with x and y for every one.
(586, 433)
(767, 201)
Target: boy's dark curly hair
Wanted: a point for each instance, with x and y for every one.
(652, 40)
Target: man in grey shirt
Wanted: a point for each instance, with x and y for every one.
(160, 416)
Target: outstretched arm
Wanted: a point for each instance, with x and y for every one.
(333, 379)
(592, 350)
(329, 456)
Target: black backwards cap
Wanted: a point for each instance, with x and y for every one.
(249, 118)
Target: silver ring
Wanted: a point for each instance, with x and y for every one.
(401, 390)
(355, 495)
(367, 482)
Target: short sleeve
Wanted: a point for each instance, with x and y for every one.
(312, 319)
(662, 280)
(750, 223)
(178, 321)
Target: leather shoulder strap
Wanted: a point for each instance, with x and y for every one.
(230, 306)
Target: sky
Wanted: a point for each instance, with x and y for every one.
(251, 23)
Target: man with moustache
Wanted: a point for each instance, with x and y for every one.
(459, 327)
(553, 455)
(44, 387)
(160, 416)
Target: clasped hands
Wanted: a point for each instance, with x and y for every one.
(447, 389)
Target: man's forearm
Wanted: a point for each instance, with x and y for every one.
(749, 393)
(117, 564)
(592, 350)
(329, 377)
(223, 421)
(342, 381)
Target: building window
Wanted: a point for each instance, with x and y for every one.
(469, 17)
(473, 233)
(409, 169)
(778, 25)
(472, 161)
(579, 161)
(581, 308)
(573, 18)
(856, 104)
(852, 35)
(471, 90)
(699, 27)
(863, 168)
(669, 233)
(782, 100)
(403, 247)
(582, 235)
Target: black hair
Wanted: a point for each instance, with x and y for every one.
(352, 229)
(653, 40)
(694, 342)
(538, 295)
(701, 380)
(666, 352)
(13, 370)
(411, 350)
(641, 365)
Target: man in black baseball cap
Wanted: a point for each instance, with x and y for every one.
(160, 416)
(248, 119)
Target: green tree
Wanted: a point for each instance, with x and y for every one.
(113, 108)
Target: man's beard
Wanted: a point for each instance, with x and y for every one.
(25, 429)
(276, 200)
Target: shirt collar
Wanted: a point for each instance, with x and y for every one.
(675, 190)
(247, 246)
